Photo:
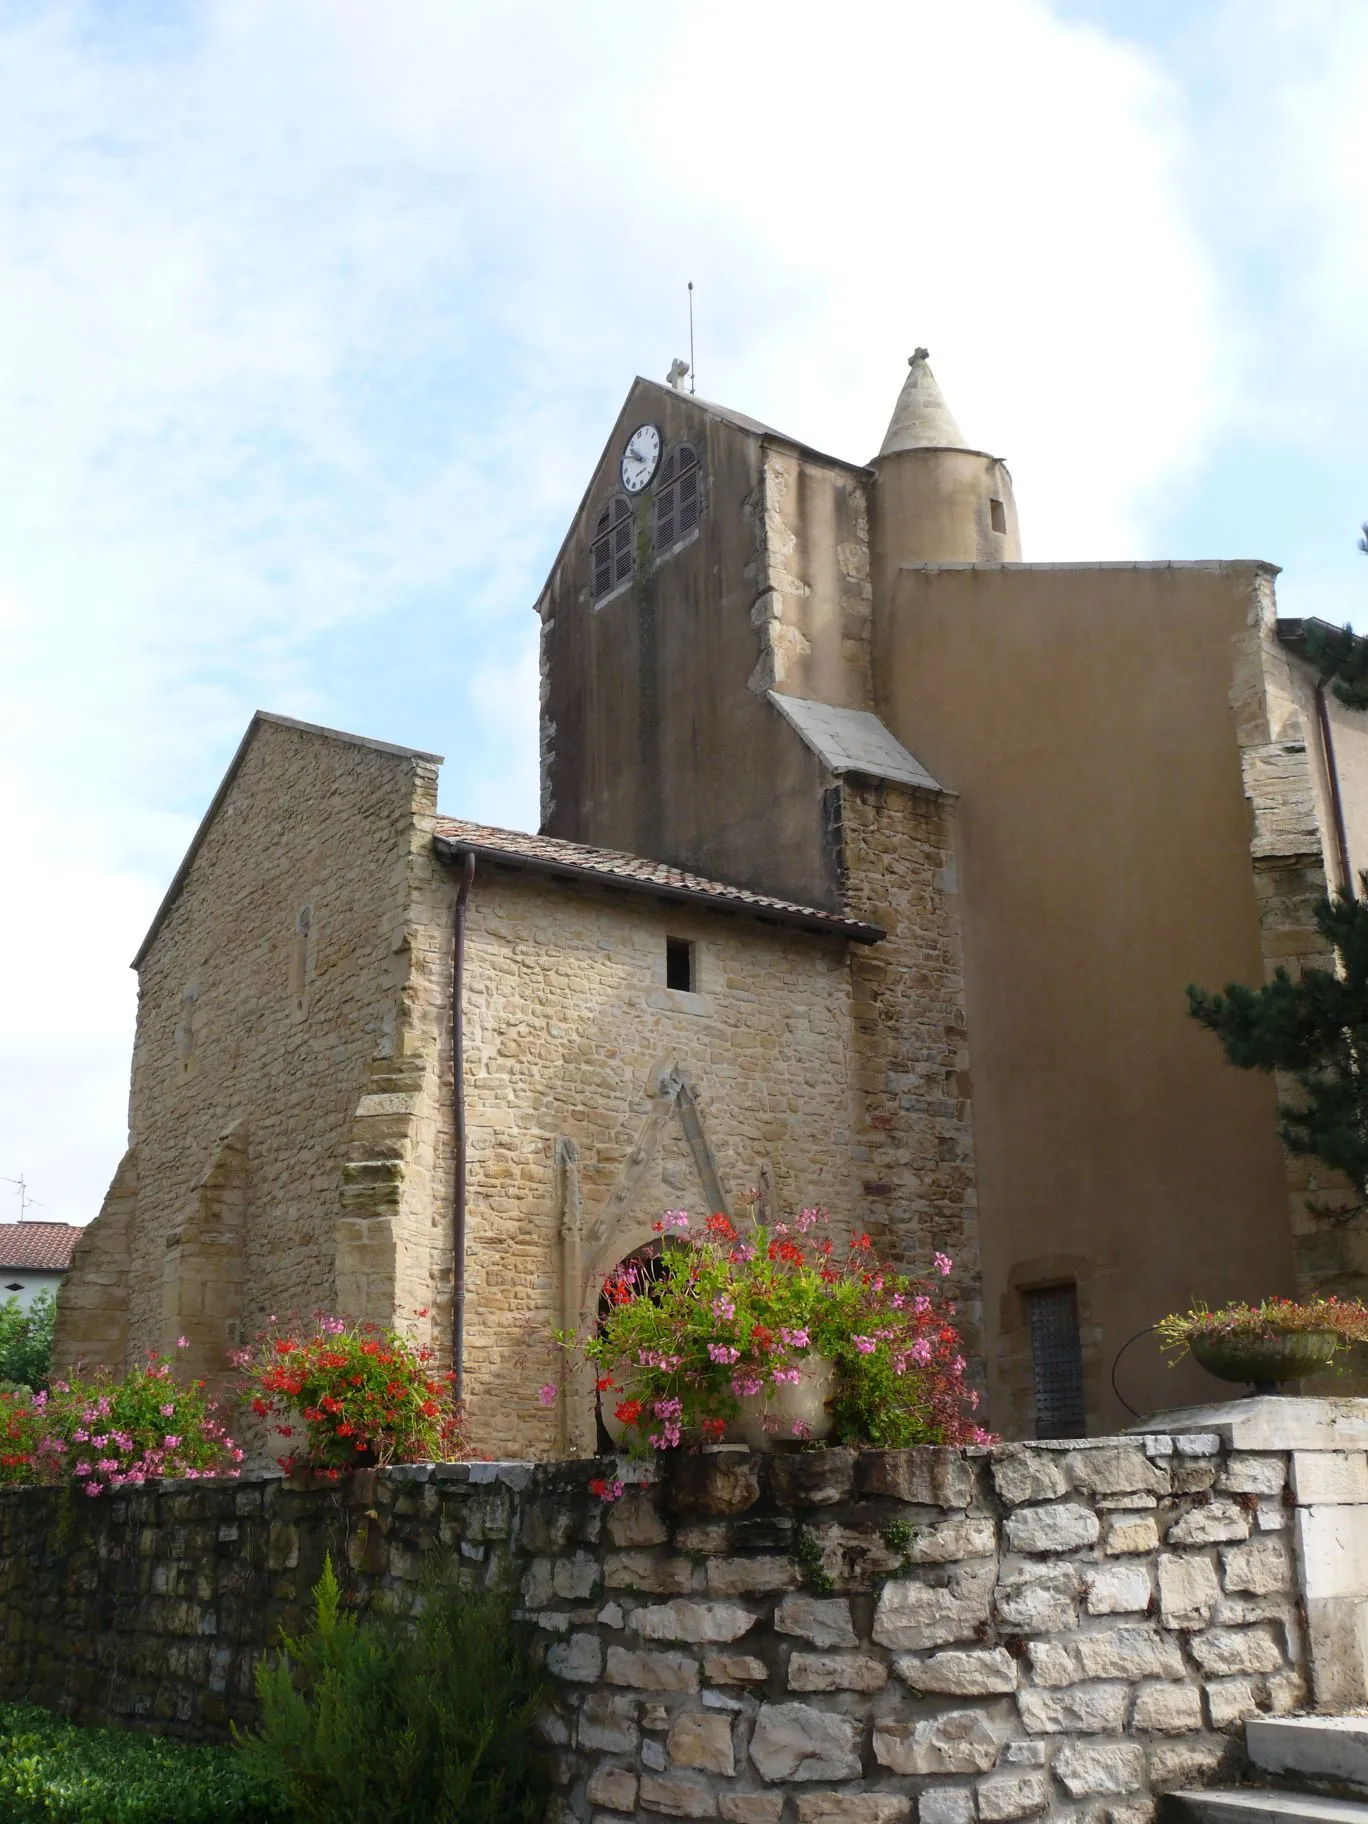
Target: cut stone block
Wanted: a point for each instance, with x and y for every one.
(981, 1673)
(1188, 1591)
(826, 1623)
(957, 1741)
(702, 1741)
(1063, 1528)
(1081, 1710)
(1084, 1768)
(1332, 1477)
(1217, 1523)
(1037, 1599)
(853, 1808)
(1118, 1589)
(836, 1672)
(692, 1621)
(798, 1742)
(915, 1615)
(1315, 1747)
(1013, 1795)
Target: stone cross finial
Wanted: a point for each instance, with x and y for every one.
(678, 373)
(918, 354)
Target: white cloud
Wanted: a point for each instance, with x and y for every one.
(313, 316)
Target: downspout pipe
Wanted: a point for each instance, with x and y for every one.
(458, 1125)
(1346, 878)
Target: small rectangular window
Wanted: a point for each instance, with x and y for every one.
(997, 515)
(679, 970)
(1057, 1357)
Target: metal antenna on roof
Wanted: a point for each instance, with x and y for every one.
(692, 387)
(25, 1201)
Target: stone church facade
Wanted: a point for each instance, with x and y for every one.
(873, 865)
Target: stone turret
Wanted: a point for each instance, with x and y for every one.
(936, 500)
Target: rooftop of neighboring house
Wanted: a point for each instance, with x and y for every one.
(39, 1247)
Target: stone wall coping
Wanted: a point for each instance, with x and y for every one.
(1271, 1422)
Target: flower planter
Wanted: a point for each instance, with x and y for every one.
(1266, 1360)
(769, 1418)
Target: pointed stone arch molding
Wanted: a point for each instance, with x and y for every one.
(203, 1272)
(674, 1094)
(92, 1301)
(617, 1230)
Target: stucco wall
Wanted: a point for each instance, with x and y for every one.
(1087, 716)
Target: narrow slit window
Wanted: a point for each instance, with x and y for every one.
(997, 515)
(678, 497)
(611, 551)
(1057, 1358)
(679, 964)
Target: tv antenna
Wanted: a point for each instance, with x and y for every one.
(692, 375)
(25, 1201)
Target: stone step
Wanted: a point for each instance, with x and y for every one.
(1331, 1748)
(1251, 1805)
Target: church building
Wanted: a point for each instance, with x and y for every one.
(873, 865)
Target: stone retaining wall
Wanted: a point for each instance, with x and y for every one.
(827, 1637)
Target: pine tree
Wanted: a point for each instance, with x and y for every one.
(1341, 655)
(1315, 1029)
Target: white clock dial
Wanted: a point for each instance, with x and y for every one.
(641, 458)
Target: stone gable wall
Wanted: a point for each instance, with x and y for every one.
(827, 1637)
(278, 973)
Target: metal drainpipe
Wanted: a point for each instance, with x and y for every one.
(458, 1237)
(1346, 878)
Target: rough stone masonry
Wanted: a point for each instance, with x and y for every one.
(824, 1637)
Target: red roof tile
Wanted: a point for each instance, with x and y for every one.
(613, 867)
(42, 1247)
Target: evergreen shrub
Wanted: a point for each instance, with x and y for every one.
(389, 1722)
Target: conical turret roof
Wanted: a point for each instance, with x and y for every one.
(921, 419)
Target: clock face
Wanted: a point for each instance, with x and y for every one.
(641, 458)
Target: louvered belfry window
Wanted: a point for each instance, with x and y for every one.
(1057, 1357)
(611, 551)
(678, 497)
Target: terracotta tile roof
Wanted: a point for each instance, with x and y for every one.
(614, 868)
(42, 1247)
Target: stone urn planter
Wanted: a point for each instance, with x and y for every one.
(801, 1402)
(1266, 1360)
(768, 1418)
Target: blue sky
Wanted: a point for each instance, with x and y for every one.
(314, 316)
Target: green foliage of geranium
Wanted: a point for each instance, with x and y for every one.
(377, 1722)
(732, 1313)
(358, 1392)
(51, 1772)
(114, 1431)
(26, 1341)
(1346, 1319)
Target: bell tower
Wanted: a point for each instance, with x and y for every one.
(936, 500)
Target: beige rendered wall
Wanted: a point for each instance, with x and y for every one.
(247, 1022)
(571, 1035)
(1084, 715)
